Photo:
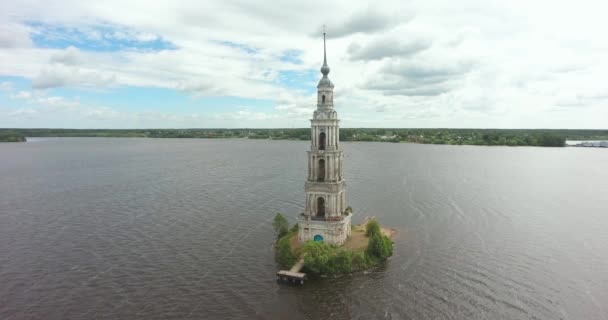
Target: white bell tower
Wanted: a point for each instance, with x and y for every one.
(324, 218)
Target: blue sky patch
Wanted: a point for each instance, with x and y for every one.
(303, 80)
(95, 38)
(292, 56)
(16, 83)
(133, 99)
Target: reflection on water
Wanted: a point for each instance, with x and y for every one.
(180, 229)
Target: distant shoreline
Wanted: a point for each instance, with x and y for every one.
(482, 137)
(11, 136)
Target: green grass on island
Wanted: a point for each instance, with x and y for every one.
(487, 137)
(368, 246)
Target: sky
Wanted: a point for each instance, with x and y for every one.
(255, 64)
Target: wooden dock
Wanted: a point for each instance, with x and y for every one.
(293, 275)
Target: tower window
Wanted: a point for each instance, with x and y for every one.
(320, 207)
(321, 170)
(322, 141)
(323, 99)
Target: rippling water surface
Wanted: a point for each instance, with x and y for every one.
(95, 228)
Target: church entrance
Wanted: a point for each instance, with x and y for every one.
(321, 207)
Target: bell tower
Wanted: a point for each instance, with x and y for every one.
(325, 217)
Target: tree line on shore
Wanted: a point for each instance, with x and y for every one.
(11, 136)
(488, 137)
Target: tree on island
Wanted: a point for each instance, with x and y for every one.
(280, 225)
(379, 246)
(372, 228)
(285, 257)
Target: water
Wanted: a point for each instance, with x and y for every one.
(94, 228)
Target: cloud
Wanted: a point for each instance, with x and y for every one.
(22, 95)
(387, 47)
(101, 113)
(14, 35)
(27, 113)
(198, 87)
(245, 115)
(41, 98)
(427, 71)
(582, 99)
(60, 76)
(58, 102)
(472, 60)
(70, 56)
(295, 105)
(366, 20)
(417, 77)
(6, 86)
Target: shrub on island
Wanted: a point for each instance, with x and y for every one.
(372, 227)
(379, 247)
(285, 256)
(280, 225)
(322, 258)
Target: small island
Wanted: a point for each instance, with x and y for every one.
(11, 136)
(368, 246)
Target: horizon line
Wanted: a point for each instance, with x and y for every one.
(292, 128)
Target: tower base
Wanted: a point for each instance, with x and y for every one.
(329, 231)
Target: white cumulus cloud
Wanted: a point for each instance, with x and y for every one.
(434, 63)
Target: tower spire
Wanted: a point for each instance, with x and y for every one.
(325, 82)
(324, 51)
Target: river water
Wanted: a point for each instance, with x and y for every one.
(94, 228)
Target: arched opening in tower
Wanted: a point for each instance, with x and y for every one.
(323, 99)
(321, 207)
(321, 171)
(322, 141)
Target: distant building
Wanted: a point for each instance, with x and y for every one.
(325, 217)
(385, 137)
(594, 144)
